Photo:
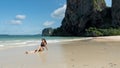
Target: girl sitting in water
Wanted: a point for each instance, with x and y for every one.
(40, 48)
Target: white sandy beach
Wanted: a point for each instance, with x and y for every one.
(99, 52)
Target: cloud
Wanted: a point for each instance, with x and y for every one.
(59, 13)
(20, 17)
(16, 22)
(48, 23)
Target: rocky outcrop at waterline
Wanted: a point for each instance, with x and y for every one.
(47, 32)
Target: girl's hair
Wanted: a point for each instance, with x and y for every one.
(44, 40)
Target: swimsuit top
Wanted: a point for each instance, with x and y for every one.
(42, 44)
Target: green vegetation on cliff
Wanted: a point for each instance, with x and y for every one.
(92, 31)
(97, 5)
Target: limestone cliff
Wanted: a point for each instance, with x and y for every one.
(81, 14)
(116, 13)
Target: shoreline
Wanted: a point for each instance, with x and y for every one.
(107, 38)
(102, 38)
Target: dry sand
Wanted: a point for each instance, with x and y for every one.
(100, 52)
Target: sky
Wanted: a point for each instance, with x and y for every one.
(29, 17)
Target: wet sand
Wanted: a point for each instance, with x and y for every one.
(102, 52)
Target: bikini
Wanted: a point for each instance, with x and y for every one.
(42, 44)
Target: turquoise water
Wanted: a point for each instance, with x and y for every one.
(30, 37)
(31, 40)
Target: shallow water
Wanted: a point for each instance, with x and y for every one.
(21, 41)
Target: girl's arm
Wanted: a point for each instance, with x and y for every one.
(38, 48)
(46, 47)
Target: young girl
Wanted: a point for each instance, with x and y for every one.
(40, 48)
(43, 45)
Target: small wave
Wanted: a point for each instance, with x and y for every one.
(21, 43)
(1, 45)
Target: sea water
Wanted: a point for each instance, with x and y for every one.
(9, 41)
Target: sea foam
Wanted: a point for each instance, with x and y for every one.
(23, 43)
(1, 45)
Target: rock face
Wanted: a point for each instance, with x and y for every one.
(81, 14)
(47, 32)
(116, 13)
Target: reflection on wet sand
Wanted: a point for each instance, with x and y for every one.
(42, 56)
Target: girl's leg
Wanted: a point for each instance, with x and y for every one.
(41, 49)
(37, 50)
(28, 52)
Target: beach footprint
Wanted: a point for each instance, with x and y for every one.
(112, 65)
